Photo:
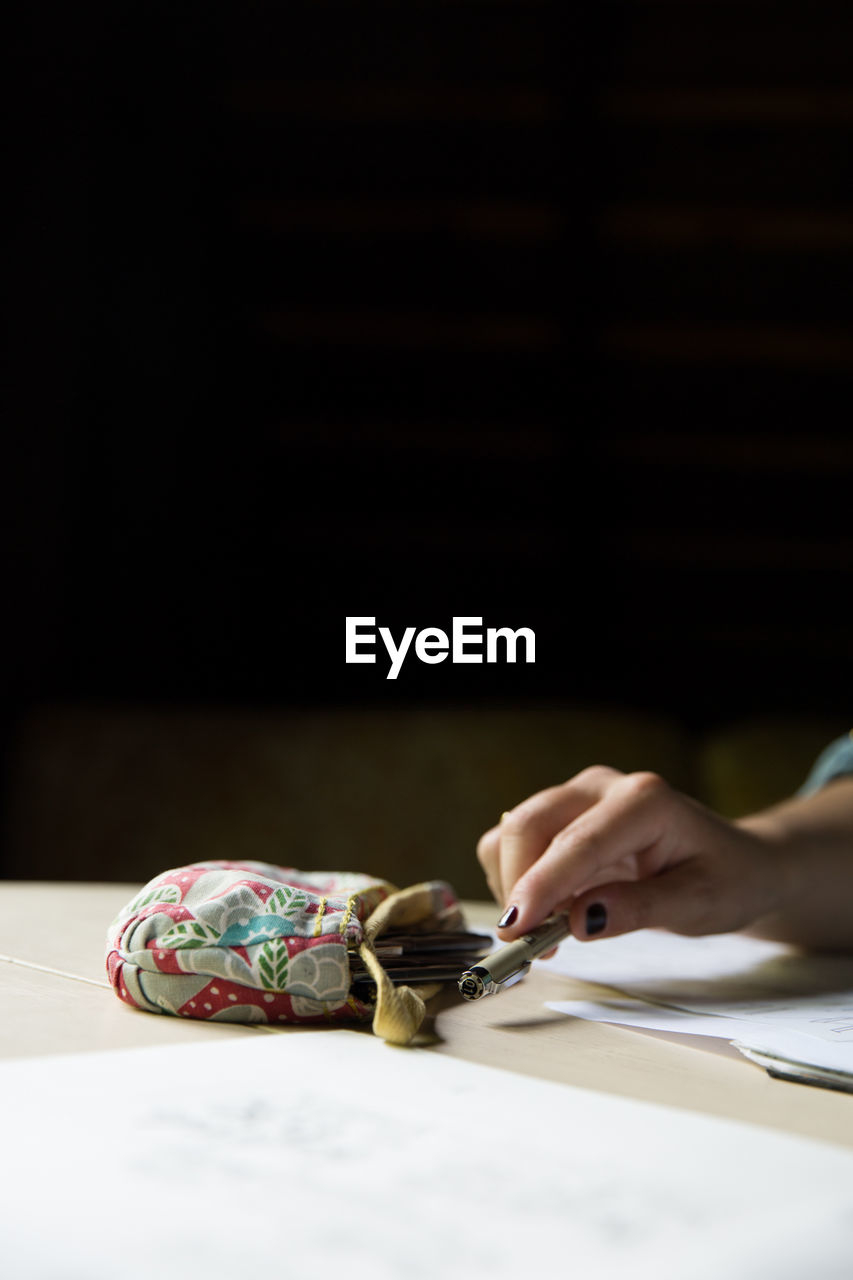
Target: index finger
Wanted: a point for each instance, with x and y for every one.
(627, 821)
(528, 830)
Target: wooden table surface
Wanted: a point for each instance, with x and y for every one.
(55, 998)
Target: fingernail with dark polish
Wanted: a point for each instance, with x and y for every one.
(509, 917)
(596, 918)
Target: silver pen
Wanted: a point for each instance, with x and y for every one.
(510, 963)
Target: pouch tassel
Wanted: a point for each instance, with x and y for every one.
(399, 1011)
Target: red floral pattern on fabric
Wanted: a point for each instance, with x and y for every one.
(243, 941)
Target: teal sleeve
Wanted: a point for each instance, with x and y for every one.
(836, 761)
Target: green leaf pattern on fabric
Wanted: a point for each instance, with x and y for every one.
(272, 965)
(163, 893)
(187, 934)
(287, 902)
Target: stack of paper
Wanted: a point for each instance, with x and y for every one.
(789, 1011)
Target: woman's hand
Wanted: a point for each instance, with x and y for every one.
(626, 851)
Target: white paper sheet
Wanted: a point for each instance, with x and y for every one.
(650, 1017)
(767, 988)
(294, 1153)
(778, 1041)
(651, 960)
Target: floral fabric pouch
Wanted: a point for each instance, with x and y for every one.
(253, 942)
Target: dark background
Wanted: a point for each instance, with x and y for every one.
(423, 309)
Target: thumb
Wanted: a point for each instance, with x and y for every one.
(679, 900)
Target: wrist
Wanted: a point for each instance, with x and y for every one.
(782, 854)
(809, 839)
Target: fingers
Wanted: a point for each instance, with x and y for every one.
(678, 900)
(488, 853)
(633, 829)
(525, 832)
(697, 896)
(622, 852)
(726, 886)
(529, 829)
